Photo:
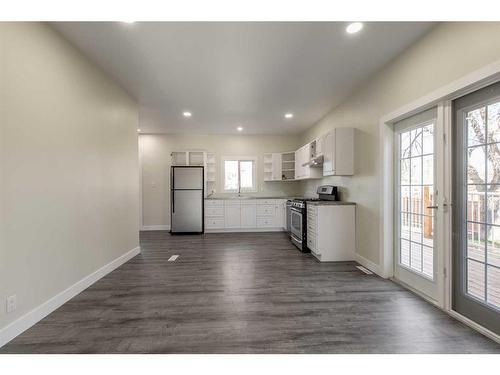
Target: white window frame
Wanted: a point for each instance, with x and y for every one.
(239, 159)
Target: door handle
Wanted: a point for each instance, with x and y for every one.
(433, 207)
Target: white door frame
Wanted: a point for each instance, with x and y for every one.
(442, 98)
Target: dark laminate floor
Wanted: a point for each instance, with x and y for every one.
(244, 293)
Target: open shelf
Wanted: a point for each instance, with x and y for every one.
(210, 167)
(288, 166)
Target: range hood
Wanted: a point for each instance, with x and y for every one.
(314, 162)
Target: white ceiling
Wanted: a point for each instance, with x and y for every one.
(231, 74)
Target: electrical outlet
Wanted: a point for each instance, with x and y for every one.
(11, 303)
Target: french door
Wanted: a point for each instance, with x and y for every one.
(476, 218)
(415, 255)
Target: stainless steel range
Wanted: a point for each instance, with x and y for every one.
(298, 224)
(298, 215)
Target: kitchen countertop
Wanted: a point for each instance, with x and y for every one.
(247, 197)
(329, 203)
(312, 203)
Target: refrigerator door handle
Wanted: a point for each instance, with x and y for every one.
(173, 187)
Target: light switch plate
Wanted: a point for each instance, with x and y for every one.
(11, 303)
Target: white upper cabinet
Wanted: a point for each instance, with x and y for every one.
(328, 153)
(338, 152)
(288, 166)
(298, 171)
(210, 167)
(302, 156)
(272, 167)
(320, 146)
(197, 158)
(279, 166)
(276, 166)
(300, 159)
(179, 158)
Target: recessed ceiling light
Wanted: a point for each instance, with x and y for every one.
(239, 128)
(354, 27)
(288, 115)
(138, 130)
(187, 114)
(128, 21)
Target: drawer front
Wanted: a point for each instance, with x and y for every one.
(265, 222)
(214, 202)
(266, 201)
(267, 210)
(312, 210)
(311, 228)
(214, 223)
(214, 211)
(312, 243)
(232, 202)
(311, 218)
(248, 202)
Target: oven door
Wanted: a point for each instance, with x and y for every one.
(288, 217)
(296, 224)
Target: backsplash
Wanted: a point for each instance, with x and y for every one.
(309, 187)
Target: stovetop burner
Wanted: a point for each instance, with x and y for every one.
(308, 199)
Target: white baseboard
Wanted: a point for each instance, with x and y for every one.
(155, 227)
(416, 292)
(486, 332)
(375, 268)
(38, 313)
(244, 230)
(475, 326)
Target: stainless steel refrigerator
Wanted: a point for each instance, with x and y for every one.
(186, 197)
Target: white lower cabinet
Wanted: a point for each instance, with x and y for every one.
(214, 214)
(214, 211)
(214, 223)
(281, 214)
(265, 222)
(249, 215)
(233, 215)
(266, 210)
(331, 232)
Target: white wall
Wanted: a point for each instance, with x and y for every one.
(446, 53)
(155, 152)
(68, 167)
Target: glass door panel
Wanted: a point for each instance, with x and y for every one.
(415, 208)
(417, 192)
(476, 218)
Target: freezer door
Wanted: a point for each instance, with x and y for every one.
(187, 178)
(187, 211)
